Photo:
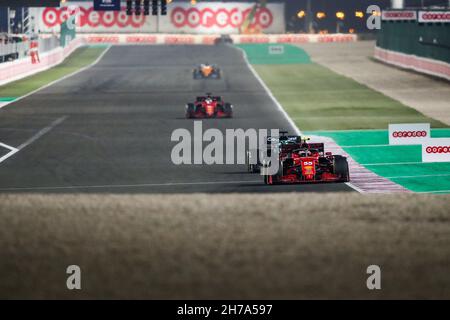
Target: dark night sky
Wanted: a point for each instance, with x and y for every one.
(293, 6)
(330, 7)
(343, 4)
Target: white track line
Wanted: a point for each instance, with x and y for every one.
(434, 191)
(420, 176)
(392, 163)
(41, 133)
(31, 140)
(270, 94)
(11, 149)
(7, 147)
(60, 79)
(370, 146)
(357, 189)
(168, 184)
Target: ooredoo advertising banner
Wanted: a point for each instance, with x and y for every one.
(93, 21)
(436, 150)
(203, 18)
(408, 133)
(218, 17)
(434, 16)
(398, 15)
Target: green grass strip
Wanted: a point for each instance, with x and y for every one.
(426, 184)
(316, 98)
(82, 57)
(265, 54)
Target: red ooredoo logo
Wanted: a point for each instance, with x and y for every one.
(436, 16)
(438, 149)
(89, 17)
(221, 17)
(409, 134)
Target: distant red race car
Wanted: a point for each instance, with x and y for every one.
(209, 107)
(308, 164)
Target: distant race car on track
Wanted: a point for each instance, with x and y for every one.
(223, 39)
(304, 162)
(207, 71)
(209, 106)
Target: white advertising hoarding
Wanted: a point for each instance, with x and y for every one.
(408, 133)
(89, 20)
(434, 16)
(203, 18)
(209, 39)
(436, 150)
(399, 15)
(276, 49)
(218, 17)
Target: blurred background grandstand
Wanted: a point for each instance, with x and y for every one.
(301, 15)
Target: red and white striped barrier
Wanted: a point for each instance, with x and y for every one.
(142, 38)
(408, 61)
(18, 69)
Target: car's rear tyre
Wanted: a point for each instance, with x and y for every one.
(190, 110)
(340, 168)
(281, 171)
(268, 179)
(250, 156)
(275, 178)
(197, 75)
(228, 110)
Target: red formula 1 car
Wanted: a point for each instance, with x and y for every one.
(209, 107)
(309, 164)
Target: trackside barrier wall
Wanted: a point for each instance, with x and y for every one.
(413, 62)
(416, 39)
(22, 48)
(19, 48)
(209, 39)
(18, 69)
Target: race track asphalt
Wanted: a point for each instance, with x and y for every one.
(108, 128)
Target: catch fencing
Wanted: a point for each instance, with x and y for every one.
(18, 69)
(18, 50)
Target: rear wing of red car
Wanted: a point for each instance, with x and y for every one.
(318, 146)
(201, 99)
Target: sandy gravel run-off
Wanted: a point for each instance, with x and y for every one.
(233, 246)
